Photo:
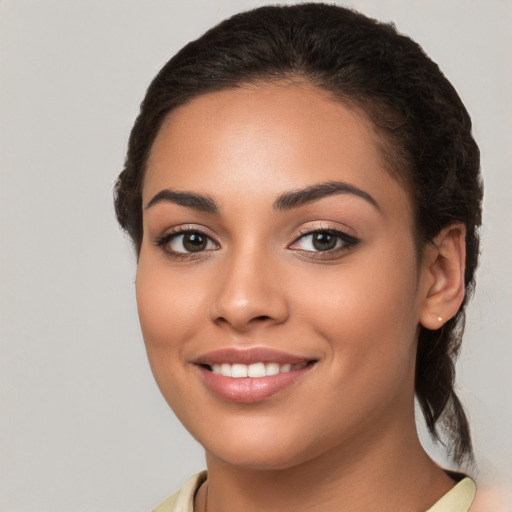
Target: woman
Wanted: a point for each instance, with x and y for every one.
(303, 193)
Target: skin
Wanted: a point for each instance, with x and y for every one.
(343, 436)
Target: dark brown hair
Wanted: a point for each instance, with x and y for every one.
(425, 128)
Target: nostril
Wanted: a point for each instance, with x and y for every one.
(241, 315)
(243, 323)
(261, 318)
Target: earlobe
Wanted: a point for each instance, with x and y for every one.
(444, 267)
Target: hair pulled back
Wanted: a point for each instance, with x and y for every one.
(424, 127)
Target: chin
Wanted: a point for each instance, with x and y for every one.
(259, 452)
(258, 460)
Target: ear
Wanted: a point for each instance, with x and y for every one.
(443, 276)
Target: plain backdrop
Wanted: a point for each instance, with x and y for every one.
(83, 426)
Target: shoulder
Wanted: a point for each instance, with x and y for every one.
(183, 500)
(459, 499)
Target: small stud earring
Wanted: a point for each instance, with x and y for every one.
(439, 318)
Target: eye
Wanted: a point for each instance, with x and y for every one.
(186, 242)
(324, 240)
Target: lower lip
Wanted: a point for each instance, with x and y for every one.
(248, 389)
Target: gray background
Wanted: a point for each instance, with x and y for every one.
(83, 427)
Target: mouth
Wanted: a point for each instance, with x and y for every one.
(251, 375)
(254, 370)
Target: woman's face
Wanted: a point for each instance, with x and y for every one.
(278, 285)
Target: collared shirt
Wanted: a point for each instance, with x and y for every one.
(458, 499)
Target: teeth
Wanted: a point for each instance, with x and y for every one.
(239, 370)
(272, 368)
(225, 369)
(254, 370)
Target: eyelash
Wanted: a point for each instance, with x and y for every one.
(166, 239)
(344, 242)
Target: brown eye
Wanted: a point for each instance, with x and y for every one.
(194, 242)
(186, 242)
(323, 241)
(320, 241)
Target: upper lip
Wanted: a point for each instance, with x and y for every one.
(249, 356)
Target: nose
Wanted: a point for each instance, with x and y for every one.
(249, 293)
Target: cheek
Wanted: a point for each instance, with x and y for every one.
(168, 307)
(367, 313)
(168, 314)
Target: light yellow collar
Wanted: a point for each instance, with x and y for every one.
(459, 499)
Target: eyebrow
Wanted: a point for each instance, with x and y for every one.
(285, 201)
(296, 198)
(187, 199)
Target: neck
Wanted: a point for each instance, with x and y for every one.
(386, 472)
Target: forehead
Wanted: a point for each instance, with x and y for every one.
(265, 137)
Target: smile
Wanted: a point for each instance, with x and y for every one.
(255, 370)
(251, 375)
